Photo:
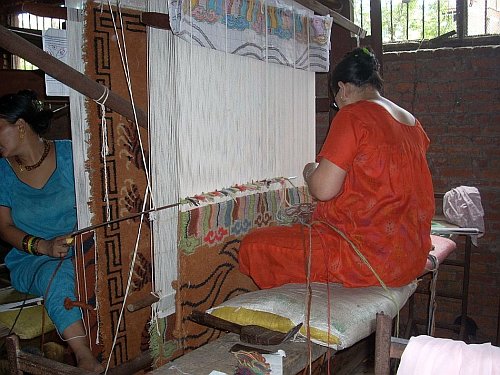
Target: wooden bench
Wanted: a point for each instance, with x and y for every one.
(217, 355)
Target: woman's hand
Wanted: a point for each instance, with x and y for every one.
(57, 247)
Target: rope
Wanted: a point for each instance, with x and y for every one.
(105, 148)
(304, 211)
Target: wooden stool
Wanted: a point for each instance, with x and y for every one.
(441, 248)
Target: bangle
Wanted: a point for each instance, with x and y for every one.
(30, 244)
(34, 246)
(25, 243)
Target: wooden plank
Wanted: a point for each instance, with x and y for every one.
(20, 362)
(67, 75)
(340, 20)
(216, 356)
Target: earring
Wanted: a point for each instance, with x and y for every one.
(21, 132)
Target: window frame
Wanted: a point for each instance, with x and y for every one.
(454, 40)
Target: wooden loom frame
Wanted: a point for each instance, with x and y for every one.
(19, 360)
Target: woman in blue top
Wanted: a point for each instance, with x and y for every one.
(37, 212)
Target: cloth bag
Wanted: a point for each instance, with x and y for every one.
(462, 206)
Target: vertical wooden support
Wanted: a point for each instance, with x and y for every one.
(12, 344)
(383, 344)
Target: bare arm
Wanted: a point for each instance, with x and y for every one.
(325, 181)
(56, 247)
(8, 231)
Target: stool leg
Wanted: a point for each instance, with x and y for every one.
(432, 303)
(12, 344)
(383, 344)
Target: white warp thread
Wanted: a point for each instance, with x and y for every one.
(218, 120)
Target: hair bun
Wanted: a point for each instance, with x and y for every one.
(28, 94)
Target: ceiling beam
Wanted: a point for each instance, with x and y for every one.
(340, 20)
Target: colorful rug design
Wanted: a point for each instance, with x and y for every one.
(125, 182)
(209, 239)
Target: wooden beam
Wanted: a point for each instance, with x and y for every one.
(141, 362)
(20, 362)
(44, 10)
(340, 20)
(152, 19)
(67, 75)
(155, 19)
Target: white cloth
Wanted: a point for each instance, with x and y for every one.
(429, 355)
(462, 206)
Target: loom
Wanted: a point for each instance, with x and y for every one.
(191, 115)
(242, 107)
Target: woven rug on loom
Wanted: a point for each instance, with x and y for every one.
(125, 181)
(209, 239)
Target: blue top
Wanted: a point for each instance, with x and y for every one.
(47, 212)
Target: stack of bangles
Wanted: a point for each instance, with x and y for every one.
(30, 244)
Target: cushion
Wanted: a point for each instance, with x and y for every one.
(441, 248)
(29, 323)
(339, 316)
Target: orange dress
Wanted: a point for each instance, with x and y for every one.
(385, 208)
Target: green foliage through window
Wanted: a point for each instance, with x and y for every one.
(411, 20)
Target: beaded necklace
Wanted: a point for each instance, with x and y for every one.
(22, 167)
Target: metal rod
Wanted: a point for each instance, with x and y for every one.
(92, 227)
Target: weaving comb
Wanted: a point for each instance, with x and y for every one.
(250, 334)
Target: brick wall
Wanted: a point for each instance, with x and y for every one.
(455, 93)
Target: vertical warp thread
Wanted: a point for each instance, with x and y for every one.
(221, 119)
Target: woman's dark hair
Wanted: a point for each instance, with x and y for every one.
(359, 67)
(25, 105)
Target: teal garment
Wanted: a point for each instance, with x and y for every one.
(47, 212)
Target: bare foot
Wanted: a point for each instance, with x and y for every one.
(89, 363)
(77, 340)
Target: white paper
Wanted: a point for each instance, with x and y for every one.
(55, 43)
(275, 360)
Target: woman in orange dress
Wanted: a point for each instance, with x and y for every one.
(374, 195)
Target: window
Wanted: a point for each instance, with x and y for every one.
(415, 20)
(34, 25)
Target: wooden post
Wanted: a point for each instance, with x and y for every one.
(67, 75)
(12, 344)
(383, 344)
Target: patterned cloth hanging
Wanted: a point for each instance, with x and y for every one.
(295, 36)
